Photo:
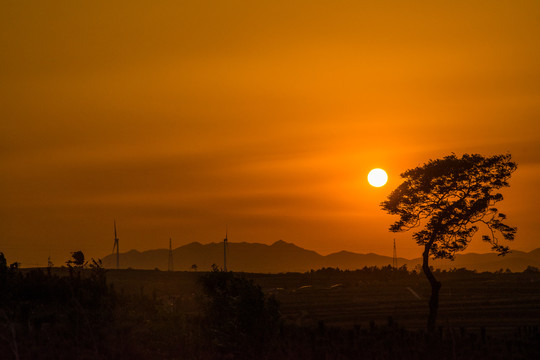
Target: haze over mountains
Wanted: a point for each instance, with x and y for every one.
(287, 257)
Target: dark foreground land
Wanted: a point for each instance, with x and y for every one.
(496, 301)
(326, 314)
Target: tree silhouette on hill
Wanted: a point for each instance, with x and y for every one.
(451, 197)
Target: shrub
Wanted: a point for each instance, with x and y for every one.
(238, 319)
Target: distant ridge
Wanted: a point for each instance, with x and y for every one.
(282, 256)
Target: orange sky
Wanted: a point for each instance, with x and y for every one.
(178, 118)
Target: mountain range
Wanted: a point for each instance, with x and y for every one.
(287, 257)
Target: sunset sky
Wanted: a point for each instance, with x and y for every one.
(177, 118)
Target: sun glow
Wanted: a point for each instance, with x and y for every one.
(377, 177)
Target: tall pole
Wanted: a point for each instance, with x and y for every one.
(170, 267)
(225, 251)
(117, 247)
(394, 257)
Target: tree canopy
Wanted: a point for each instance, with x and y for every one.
(77, 259)
(453, 196)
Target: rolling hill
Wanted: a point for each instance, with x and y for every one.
(287, 257)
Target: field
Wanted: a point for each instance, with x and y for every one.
(93, 313)
(497, 302)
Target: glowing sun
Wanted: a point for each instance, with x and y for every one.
(377, 177)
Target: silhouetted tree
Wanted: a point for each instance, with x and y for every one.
(239, 318)
(77, 259)
(531, 270)
(194, 267)
(451, 196)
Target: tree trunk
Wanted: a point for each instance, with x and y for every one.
(435, 287)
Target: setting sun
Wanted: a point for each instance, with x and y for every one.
(377, 177)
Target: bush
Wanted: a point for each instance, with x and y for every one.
(238, 319)
(48, 316)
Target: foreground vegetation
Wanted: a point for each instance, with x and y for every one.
(82, 312)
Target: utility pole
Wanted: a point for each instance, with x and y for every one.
(170, 267)
(394, 257)
(225, 250)
(117, 247)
